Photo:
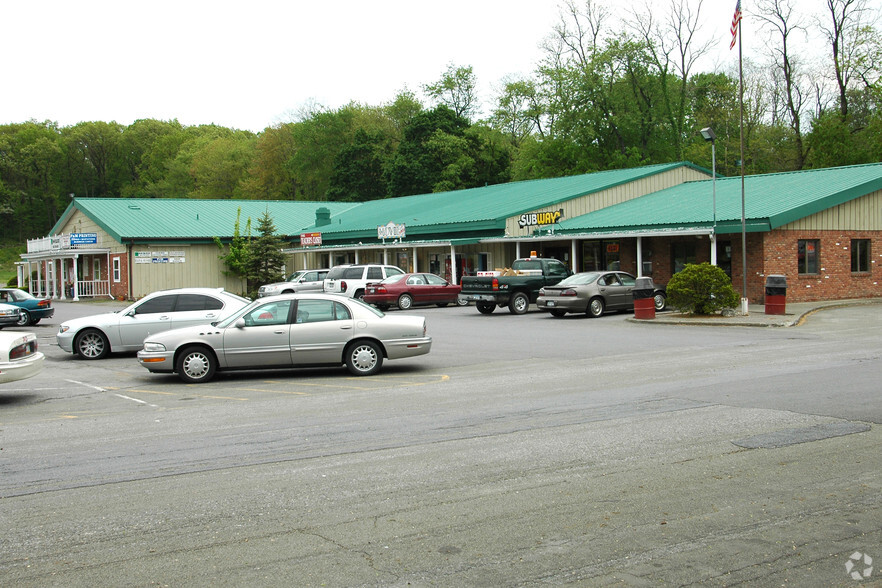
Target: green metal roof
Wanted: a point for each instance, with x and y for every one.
(770, 201)
(189, 219)
(472, 210)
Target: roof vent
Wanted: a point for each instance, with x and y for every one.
(322, 216)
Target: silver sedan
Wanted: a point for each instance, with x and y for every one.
(286, 331)
(594, 293)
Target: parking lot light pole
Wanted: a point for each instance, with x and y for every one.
(709, 135)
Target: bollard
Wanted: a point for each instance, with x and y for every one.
(644, 299)
(776, 294)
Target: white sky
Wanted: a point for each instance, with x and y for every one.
(249, 65)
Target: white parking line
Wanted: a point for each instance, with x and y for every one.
(100, 389)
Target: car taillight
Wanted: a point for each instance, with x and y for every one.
(44, 303)
(342, 286)
(23, 350)
(495, 284)
(568, 292)
(381, 289)
(541, 291)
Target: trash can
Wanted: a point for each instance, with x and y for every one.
(644, 299)
(776, 294)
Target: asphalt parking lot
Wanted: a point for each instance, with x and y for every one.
(523, 450)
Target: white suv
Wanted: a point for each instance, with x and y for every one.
(350, 280)
(299, 281)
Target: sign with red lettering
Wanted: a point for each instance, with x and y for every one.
(307, 239)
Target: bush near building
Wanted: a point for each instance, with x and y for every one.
(701, 289)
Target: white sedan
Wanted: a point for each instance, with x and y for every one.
(19, 358)
(291, 330)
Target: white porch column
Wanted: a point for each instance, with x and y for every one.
(62, 279)
(40, 280)
(517, 250)
(639, 257)
(76, 279)
(453, 279)
(415, 268)
(574, 266)
(356, 257)
(385, 257)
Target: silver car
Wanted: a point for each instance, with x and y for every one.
(94, 337)
(299, 281)
(9, 315)
(19, 358)
(594, 293)
(286, 331)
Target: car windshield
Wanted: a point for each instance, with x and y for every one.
(337, 272)
(19, 295)
(393, 279)
(296, 275)
(580, 279)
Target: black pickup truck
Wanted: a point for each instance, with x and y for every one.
(516, 288)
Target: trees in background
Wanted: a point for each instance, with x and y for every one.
(612, 91)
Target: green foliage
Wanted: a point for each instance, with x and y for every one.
(701, 289)
(257, 260)
(236, 257)
(266, 262)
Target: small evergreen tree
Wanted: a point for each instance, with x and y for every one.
(266, 262)
(237, 258)
(701, 289)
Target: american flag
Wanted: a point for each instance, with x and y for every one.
(736, 18)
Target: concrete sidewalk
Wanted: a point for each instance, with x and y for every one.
(756, 317)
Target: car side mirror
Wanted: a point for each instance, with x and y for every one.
(240, 323)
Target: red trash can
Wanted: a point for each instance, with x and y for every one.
(644, 299)
(776, 294)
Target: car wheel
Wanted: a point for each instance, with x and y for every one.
(485, 307)
(359, 295)
(195, 365)
(35, 321)
(24, 319)
(92, 344)
(596, 306)
(405, 302)
(462, 302)
(519, 303)
(558, 313)
(364, 358)
(660, 301)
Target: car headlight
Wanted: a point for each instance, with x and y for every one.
(153, 347)
(63, 329)
(8, 312)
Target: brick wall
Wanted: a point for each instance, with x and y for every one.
(835, 280)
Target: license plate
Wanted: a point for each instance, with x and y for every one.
(550, 303)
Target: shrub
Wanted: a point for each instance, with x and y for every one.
(701, 289)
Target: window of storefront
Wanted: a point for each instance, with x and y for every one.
(117, 273)
(860, 255)
(600, 255)
(96, 269)
(808, 254)
(682, 253)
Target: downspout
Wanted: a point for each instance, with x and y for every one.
(130, 268)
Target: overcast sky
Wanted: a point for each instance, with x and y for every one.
(249, 65)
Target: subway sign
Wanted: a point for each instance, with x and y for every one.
(539, 219)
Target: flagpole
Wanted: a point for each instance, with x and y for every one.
(744, 298)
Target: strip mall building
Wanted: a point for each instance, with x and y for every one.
(822, 229)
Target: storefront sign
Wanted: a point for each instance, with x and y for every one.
(307, 239)
(391, 231)
(83, 238)
(160, 256)
(540, 218)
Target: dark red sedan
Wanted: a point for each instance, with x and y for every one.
(407, 290)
